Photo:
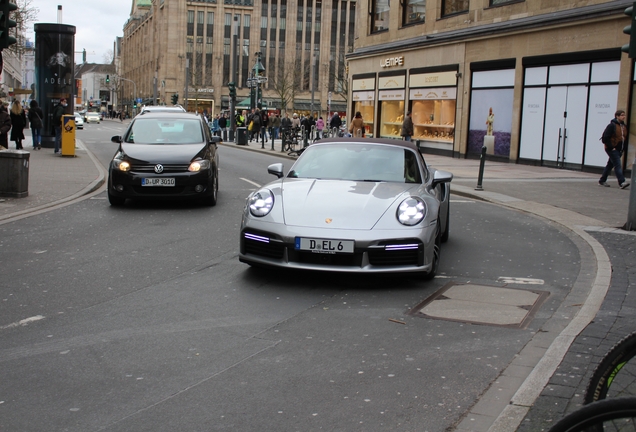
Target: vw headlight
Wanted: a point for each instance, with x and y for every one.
(261, 202)
(199, 165)
(121, 165)
(411, 211)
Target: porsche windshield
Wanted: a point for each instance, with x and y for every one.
(163, 131)
(358, 162)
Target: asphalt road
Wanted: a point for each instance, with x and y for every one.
(141, 318)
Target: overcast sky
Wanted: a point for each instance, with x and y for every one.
(97, 23)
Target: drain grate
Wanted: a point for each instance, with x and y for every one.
(482, 304)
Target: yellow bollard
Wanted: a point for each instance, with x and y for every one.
(68, 135)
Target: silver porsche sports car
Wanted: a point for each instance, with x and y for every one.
(350, 205)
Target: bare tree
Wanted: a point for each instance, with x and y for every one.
(108, 57)
(340, 78)
(286, 84)
(25, 14)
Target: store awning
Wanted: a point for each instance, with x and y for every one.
(245, 103)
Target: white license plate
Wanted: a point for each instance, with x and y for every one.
(157, 182)
(330, 246)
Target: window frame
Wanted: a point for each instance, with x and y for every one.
(405, 6)
(374, 19)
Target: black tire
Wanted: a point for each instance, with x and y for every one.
(598, 416)
(447, 230)
(116, 201)
(212, 199)
(615, 376)
(437, 252)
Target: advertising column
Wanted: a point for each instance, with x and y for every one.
(54, 71)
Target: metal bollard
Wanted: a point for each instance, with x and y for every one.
(630, 225)
(482, 162)
(282, 139)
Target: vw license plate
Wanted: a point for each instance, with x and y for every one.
(330, 246)
(157, 181)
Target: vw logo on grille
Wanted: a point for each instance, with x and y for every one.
(158, 168)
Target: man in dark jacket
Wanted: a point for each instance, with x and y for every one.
(407, 127)
(335, 122)
(615, 140)
(223, 127)
(58, 112)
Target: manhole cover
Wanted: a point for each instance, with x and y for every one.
(482, 304)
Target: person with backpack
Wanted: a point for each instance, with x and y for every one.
(35, 120)
(615, 140)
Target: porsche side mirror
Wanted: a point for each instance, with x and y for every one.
(117, 139)
(441, 177)
(276, 169)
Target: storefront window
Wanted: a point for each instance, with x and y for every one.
(391, 113)
(366, 109)
(451, 7)
(414, 12)
(379, 15)
(434, 119)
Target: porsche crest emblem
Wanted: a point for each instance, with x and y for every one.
(328, 220)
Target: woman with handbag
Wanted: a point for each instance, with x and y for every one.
(18, 123)
(35, 120)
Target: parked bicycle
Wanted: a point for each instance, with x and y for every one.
(616, 414)
(290, 139)
(615, 376)
(610, 397)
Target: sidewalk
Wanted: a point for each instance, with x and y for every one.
(570, 198)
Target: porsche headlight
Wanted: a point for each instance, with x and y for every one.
(199, 165)
(261, 202)
(411, 211)
(121, 165)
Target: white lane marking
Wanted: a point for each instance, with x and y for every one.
(461, 201)
(250, 182)
(23, 322)
(522, 281)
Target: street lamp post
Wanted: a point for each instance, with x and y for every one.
(234, 76)
(258, 70)
(134, 88)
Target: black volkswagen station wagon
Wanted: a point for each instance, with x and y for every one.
(165, 155)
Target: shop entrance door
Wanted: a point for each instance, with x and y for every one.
(564, 132)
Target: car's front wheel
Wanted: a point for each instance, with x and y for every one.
(437, 251)
(211, 200)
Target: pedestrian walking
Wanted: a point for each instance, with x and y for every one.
(264, 124)
(223, 127)
(276, 122)
(5, 125)
(615, 140)
(35, 120)
(356, 127)
(58, 112)
(320, 125)
(335, 123)
(18, 123)
(216, 129)
(407, 127)
(295, 121)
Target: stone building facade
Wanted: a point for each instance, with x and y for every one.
(167, 43)
(552, 72)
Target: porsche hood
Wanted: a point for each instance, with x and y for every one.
(338, 204)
